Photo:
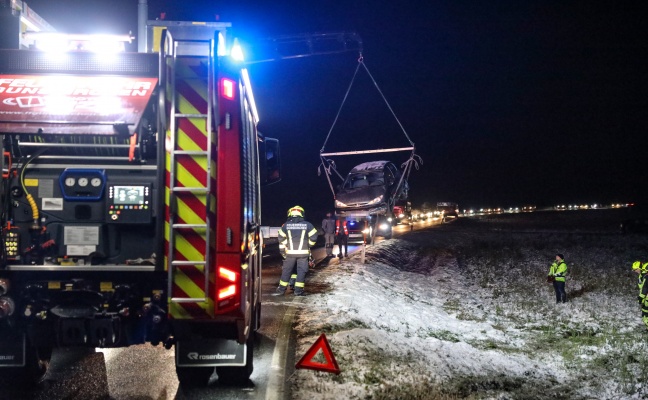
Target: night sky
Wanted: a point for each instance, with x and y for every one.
(508, 102)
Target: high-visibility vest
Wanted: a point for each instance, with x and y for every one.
(344, 226)
(558, 270)
(296, 237)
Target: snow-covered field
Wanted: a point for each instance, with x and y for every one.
(463, 310)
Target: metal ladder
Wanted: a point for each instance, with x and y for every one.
(176, 192)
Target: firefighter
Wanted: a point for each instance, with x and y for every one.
(296, 237)
(328, 226)
(642, 271)
(557, 271)
(342, 233)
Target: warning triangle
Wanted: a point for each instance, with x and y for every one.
(307, 362)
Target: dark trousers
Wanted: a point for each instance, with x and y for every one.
(289, 265)
(343, 240)
(561, 295)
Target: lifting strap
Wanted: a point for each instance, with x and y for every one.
(328, 166)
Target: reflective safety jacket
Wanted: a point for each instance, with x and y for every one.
(296, 237)
(641, 283)
(345, 229)
(558, 271)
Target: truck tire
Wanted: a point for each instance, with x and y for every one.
(194, 376)
(256, 318)
(37, 361)
(238, 376)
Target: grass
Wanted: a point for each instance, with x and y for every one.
(443, 335)
(600, 268)
(598, 336)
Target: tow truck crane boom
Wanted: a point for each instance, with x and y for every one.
(285, 47)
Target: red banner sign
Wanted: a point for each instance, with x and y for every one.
(65, 104)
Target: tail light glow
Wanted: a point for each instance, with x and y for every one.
(227, 88)
(228, 286)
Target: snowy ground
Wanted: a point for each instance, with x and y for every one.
(463, 310)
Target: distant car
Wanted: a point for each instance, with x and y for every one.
(371, 189)
(447, 210)
(360, 232)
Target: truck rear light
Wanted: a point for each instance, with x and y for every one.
(227, 88)
(227, 285)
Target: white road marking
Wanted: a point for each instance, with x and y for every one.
(277, 381)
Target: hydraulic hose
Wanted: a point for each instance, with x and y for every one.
(34, 207)
(28, 196)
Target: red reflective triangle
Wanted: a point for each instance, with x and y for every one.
(307, 360)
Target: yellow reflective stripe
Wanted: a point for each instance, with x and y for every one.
(299, 284)
(178, 311)
(290, 240)
(301, 239)
(293, 276)
(298, 251)
(310, 242)
(282, 233)
(282, 283)
(312, 232)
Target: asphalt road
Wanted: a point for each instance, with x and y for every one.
(146, 372)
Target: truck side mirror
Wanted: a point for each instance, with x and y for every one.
(270, 161)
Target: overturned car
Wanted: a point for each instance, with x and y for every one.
(370, 190)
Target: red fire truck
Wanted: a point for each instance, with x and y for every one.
(130, 201)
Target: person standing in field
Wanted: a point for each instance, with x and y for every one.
(557, 273)
(642, 271)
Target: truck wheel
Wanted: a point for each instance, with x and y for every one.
(256, 318)
(238, 376)
(37, 363)
(194, 376)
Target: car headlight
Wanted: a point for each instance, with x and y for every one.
(376, 200)
(338, 203)
(366, 231)
(383, 227)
